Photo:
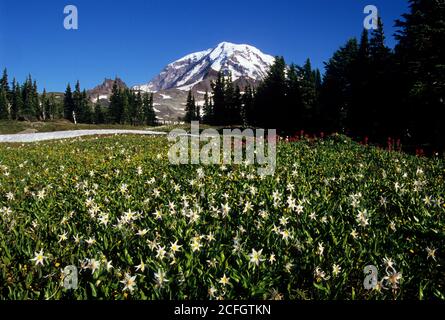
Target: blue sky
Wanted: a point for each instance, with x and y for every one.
(135, 39)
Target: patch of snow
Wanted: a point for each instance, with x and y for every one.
(193, 56)
(43, 136)
(165, 96)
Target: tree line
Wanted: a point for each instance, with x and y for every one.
(368, 91)
(23, 102)
(126, 107)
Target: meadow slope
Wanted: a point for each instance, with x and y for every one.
(137, 227)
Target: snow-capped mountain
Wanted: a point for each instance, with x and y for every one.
(247, 64)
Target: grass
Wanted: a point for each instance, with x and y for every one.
(137, 227)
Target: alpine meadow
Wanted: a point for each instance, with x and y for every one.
(330, 186)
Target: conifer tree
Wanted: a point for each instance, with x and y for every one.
(4, 84)
(149, 113)
(139, 109)
(380, 95)
(17, 102)
(219, 101)
(270, 100)
(236, 107)
(78, 103)
(198, 116)
(132, 107)
(125, 106)
(4, 105)
(420, 54)
(115, 109)
(248, 107)
(190, 108)
(229, 92)
(29, 100)
(308, 92)
(294, 116)
(359, 109)
(68, 104)
(336, 93)
(85, 108)
(99, 117)
(208, 109)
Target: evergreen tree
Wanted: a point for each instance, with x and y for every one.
(115, 109)
(219, 101)
(208, 109)
(132, 107)
(36, 105)
(85, 112)
(420, 55)
(248, 107)
(295, 114)
(30, 102)
(318, 80)
(78, 103)
(17, 102)
(99, 116)
(149, 113)
(308, 92)
(236, 107)
(139, 109)
(336, 92)
(190, 108)
(4, 84)
(360, 110)
(125, 106)
(197, 111)
(229, 109)
(381, 103)
(317, 121)
(68, 104)
(4, 104)
(270, 100)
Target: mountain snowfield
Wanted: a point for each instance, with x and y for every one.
(246, 64)
(196, 71)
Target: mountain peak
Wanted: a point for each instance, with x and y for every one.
(246, 63)
(103, 91)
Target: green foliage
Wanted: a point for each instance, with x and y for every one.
(420, 57)
(118, 200)
(149, 112)
(191, 110)
(68, 104)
